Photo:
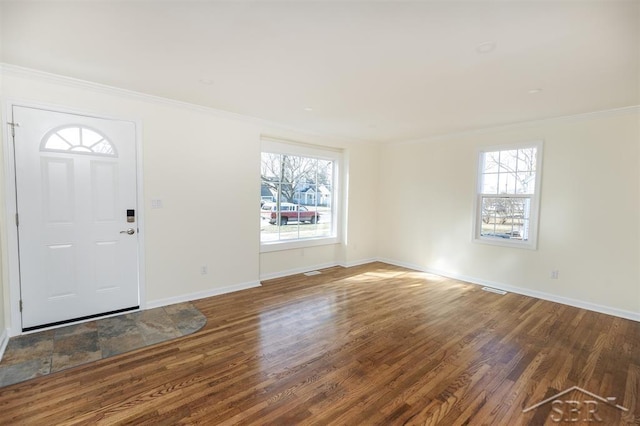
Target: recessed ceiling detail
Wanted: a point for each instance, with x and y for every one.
(486, 47)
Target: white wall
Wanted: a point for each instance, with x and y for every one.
(204, 167)
(4, 314)
(589, 216)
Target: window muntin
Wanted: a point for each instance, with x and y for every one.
(78, 140)
(298, 196)
(507, 200)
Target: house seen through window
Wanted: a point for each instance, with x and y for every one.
(297, 196)
(508, 195)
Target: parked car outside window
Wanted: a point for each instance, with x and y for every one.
(289, 212)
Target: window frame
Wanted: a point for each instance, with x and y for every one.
(277, 146)
(534, 210)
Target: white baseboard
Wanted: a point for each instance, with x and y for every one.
(280, 274)
(634, 316)
(296, 271)
(353, 263)
(200, 295)
(4, 340)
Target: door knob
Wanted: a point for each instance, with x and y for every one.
(129, 231)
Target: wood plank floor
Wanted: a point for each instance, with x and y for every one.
(374, 344)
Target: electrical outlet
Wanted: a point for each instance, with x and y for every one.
(204, 270)
(554, 274)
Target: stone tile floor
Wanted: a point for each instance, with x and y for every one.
(44, 352)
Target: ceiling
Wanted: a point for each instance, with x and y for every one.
(365, 70)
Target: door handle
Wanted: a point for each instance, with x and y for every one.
(129, 231)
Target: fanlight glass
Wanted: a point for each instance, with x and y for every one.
(78, 139)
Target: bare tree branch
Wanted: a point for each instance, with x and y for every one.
(286, 175)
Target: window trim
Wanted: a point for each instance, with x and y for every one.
(278, 146)
(534, 212)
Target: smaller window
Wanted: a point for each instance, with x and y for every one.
(79, 140)
(508, 194)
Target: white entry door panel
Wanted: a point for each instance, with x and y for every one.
(75, 182)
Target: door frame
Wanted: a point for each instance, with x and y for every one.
(9, 231)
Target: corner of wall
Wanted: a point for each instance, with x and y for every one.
(4, 282)
(4, 340)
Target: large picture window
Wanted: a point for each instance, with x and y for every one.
(508, 195)
(298, 195)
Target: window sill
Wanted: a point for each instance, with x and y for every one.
(296, 244)
(503, 242)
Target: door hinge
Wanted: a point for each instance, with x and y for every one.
(20, 305)
(13, 127)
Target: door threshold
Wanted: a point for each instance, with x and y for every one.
(79, 320)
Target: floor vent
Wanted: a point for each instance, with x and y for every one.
(310, 273)
(494, 290)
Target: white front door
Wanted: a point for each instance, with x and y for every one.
(77, 215)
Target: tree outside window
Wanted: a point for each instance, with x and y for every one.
(297, 197)
(507, 201)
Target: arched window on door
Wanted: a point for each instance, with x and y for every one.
(78, 139)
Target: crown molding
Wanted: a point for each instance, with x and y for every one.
(19, 71)
(516, 125)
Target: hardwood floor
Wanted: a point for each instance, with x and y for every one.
(375, 344)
